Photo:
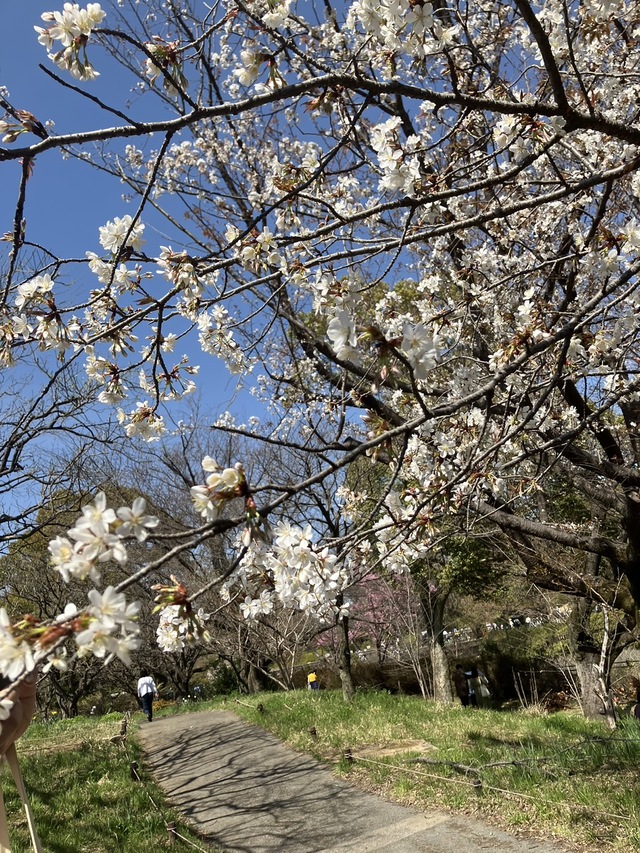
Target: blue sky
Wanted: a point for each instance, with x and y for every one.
(66, 200)
(61, 192)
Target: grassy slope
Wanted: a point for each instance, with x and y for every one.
(553, 776)
(82, 794)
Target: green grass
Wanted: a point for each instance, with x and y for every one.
(554, 776)
(82, 793)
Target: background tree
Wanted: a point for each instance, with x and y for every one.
(432, 253)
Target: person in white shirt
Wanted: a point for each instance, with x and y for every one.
(146, 691)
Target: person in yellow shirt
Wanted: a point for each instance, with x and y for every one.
(312, 681)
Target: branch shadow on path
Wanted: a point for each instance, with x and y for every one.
(246, 792)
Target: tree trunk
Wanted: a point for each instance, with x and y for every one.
(343, 656)
(593, 663)
(434, 618)
(603, 673)
(256, 678)
(442, 691)
(593, 660)
(603, 691)
(586, 669)
(180, 678)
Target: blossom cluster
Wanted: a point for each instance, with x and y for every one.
(72, 28)
(165, 62)
(298, 574)
(121, 232)
(420, 346)
(106, 627)
(222, 485)
(178, 629)
(143, 422)
(179, 269)
(418, 343)
(112, 626)
(121, 237)
(403, 25)
(398, 543)
(400, 166)
(99, 535)
(257, 252)
(216, 337)
(16, 653)
(341, 331)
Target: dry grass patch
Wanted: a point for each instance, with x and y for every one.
(377, 751)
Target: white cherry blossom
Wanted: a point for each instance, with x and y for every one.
(135, 522)
(120, 232)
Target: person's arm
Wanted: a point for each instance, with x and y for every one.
(24, 705)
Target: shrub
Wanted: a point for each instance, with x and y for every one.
(524, 654)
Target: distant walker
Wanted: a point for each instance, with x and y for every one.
(146, 692)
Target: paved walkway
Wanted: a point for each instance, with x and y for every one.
(247, 793)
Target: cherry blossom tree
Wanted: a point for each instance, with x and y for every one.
(411, 228)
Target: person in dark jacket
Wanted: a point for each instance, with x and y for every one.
(461, 685)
